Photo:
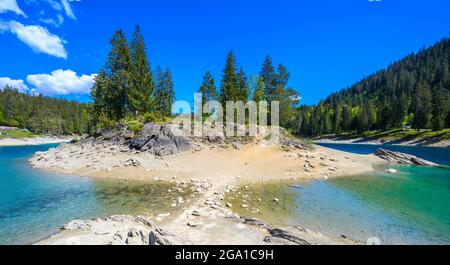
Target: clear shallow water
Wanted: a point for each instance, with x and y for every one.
(411, 207)
(34, 203)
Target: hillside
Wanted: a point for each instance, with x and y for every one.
(412, 92)
(42, 115)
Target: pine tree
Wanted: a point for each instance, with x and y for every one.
(242, 86)
(440, 108)
(282, 76)
(164, 93)
(258, 89)
(142, 88)
(208, 88)
(228, 88)
(268, 76)
(100, 105)
(400, 111)
(119, 69)
(422, 106)
(346, 118)
(337, 118)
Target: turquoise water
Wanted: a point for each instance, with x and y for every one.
(411, 207)
(34, 203)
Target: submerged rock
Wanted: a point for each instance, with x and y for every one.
(401, 158)
(392, 171)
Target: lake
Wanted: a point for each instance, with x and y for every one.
(34, 204)
(411, 207)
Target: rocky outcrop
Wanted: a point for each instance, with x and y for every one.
(401, 158)
(161, 237)
(159, 140)
(116, 230)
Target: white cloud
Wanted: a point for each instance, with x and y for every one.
(61, 83)
(68, 9)
(19, 84)
(37, 38)
(11, 6)
(54, 22)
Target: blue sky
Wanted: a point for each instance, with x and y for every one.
(56, 46)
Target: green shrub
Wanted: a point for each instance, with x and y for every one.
(155, 117)
(135, 126)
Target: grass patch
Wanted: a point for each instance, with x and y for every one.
(398, 135)
(17, 134)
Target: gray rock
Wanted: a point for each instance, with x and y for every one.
(280, 235)
(78, 225)
(159, 140)
(161, 237)
(136, 237)
(401, 158)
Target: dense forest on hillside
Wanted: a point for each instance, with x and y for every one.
(42, 115)
(414, 91)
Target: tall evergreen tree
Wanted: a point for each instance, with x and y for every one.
(440, 108)
(346, 118)
(100, 110)
(165, 93)
(142, 87)
(422, 106)
(258, 89)
(228, 88)
(337, 118)
(119, 65)
(268, 76)
(208, 88)
(242, 86)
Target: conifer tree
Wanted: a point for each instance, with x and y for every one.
(164, 94)
(99, 95)
(242, 86)
(440, 108)
(228, 88)
(208, 88)
(268, 76)
(119, 69)
(421, 106)
(141, 90)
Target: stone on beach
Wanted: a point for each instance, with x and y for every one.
(401, 158)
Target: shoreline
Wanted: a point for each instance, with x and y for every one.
(209, 220)
(362, 141)
(11, 142)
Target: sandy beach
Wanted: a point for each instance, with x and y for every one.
(34, 141)
(212, 171)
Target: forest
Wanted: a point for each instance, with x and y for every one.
(42, 115)
(411, 93)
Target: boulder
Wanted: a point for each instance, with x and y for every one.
(159, 140)
(401, 158)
